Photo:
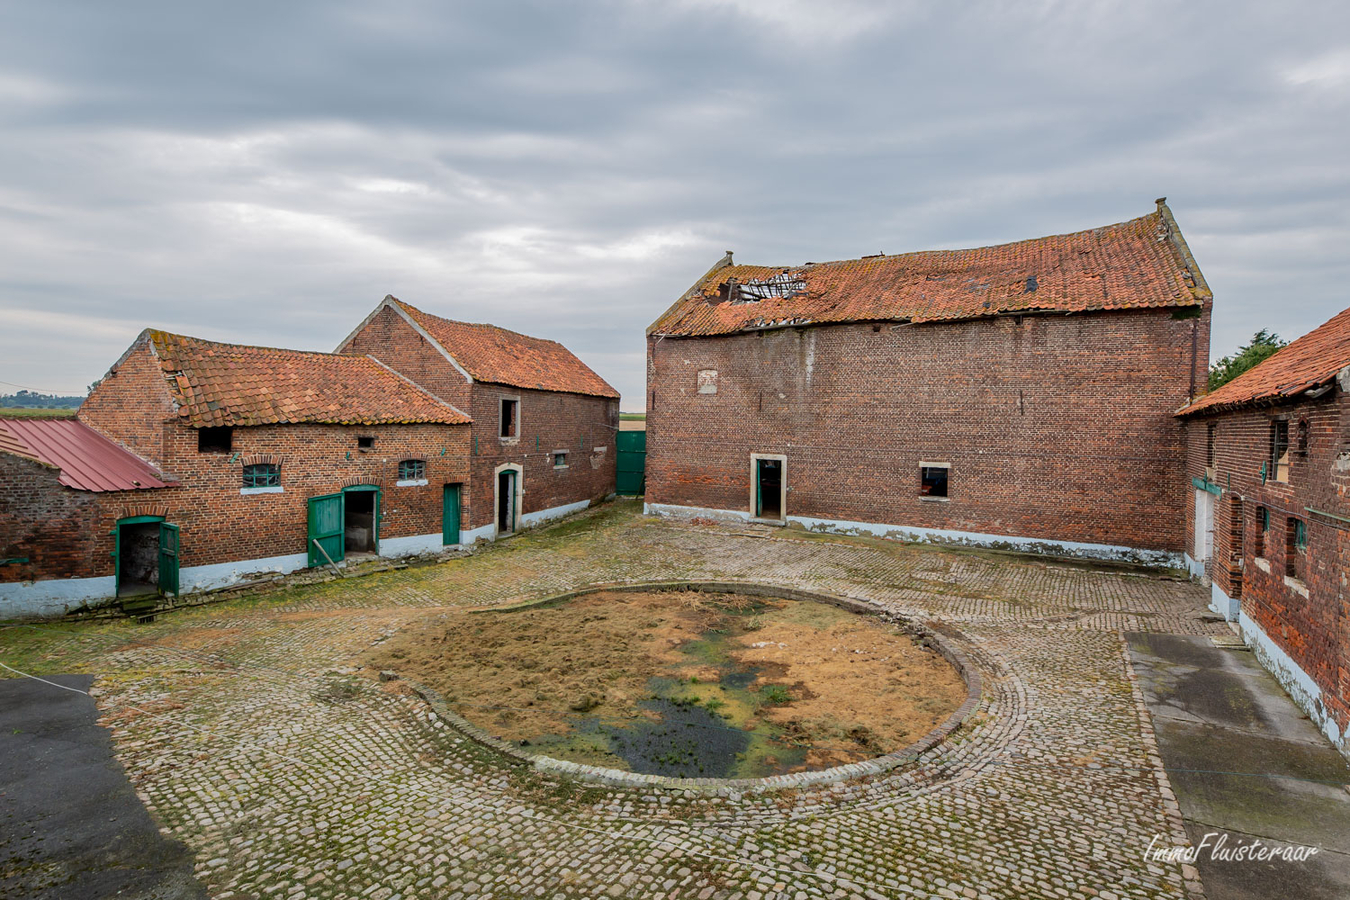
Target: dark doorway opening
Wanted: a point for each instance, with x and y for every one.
(506, 502)
(770, 494)
(358, 522)
(138, 559)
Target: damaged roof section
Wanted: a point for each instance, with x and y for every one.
(215, 384)
(88, 461)
(1139, 264)
(1307, 364)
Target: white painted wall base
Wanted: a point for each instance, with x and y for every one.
(205, 578)
(1293, 679)
(535, 519)
(54, 597)
(1195, 567)
(1224, 605)
(1109, 552)
(413, 545)
(474, 535)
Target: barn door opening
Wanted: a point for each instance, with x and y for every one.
(137, 556)
(506, 501)
(361, 519)
(768, 488)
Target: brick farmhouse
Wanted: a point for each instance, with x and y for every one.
(1268, 467)
(1018, 396)
(544, 424)
(195, 464)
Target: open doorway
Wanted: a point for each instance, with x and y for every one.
(358, 521)
(137, 558)
(768, 487)
(506, 501)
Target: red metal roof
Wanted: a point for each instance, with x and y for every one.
(236, 384)
(497, 356)
(1142, 263)
(88, 461)
(1309, 362)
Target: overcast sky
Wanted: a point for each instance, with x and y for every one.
(267, 172)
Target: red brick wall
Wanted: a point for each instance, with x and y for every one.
(54, 527)
(132, 403)
(219, 524)
(549, 421)
(1055, 427)
(1314, 630)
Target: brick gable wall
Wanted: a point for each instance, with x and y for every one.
(549, 421)
(1056, 428)
(1314, 630)
(131, 404)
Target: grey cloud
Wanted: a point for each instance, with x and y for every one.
(265, 172)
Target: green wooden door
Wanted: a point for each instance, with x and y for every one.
(759, 488)
(168, 558)
(325, 529)
(450, 515)
(631, 447)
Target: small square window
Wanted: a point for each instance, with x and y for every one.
(933, 480)
(412, 470)
(262, 475)
(365, 442)
(510, 422)
(560, 459)
(215, 440)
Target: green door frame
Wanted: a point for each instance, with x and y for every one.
(451, 499)
(117, 545)
(365, 487)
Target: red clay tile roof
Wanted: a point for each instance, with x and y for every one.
(88, 461)
(234, 384)
(498, 356)
(1132, 265)
(1309, 362)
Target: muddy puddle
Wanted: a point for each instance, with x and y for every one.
(684, 684)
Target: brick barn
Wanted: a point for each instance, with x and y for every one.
(544, 424)
(251, 460)
(1018, 396)
(1268, 470)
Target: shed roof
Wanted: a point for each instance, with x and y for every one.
(88, 461)
(498, 356)
(1308, 363)
(1142, 263)
(214, 384)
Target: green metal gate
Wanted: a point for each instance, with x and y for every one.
(632, 462)
(325, 529)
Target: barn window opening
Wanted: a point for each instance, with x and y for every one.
(510, 421)
(262, 475)
(1262, 529)
(559, 459)
(215, 440)
(933, 479)
(412, 470)
(365, 442)
(1279, 449)
(1296, 548)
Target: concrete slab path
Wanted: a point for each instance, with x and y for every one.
(1246, 765)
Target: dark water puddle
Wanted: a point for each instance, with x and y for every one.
(687, 741)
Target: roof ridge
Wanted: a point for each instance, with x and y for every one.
(938, 251)
(153, 333)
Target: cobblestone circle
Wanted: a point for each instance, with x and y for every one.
(252, 737)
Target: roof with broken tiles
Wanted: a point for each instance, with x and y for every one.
(1142, 263)
(215, 384)
(1307, 364)
(87, 460)
(497, 356)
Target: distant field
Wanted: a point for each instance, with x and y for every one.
(632, 417)
(15, 412)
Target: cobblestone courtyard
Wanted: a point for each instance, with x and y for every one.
(251, 738)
